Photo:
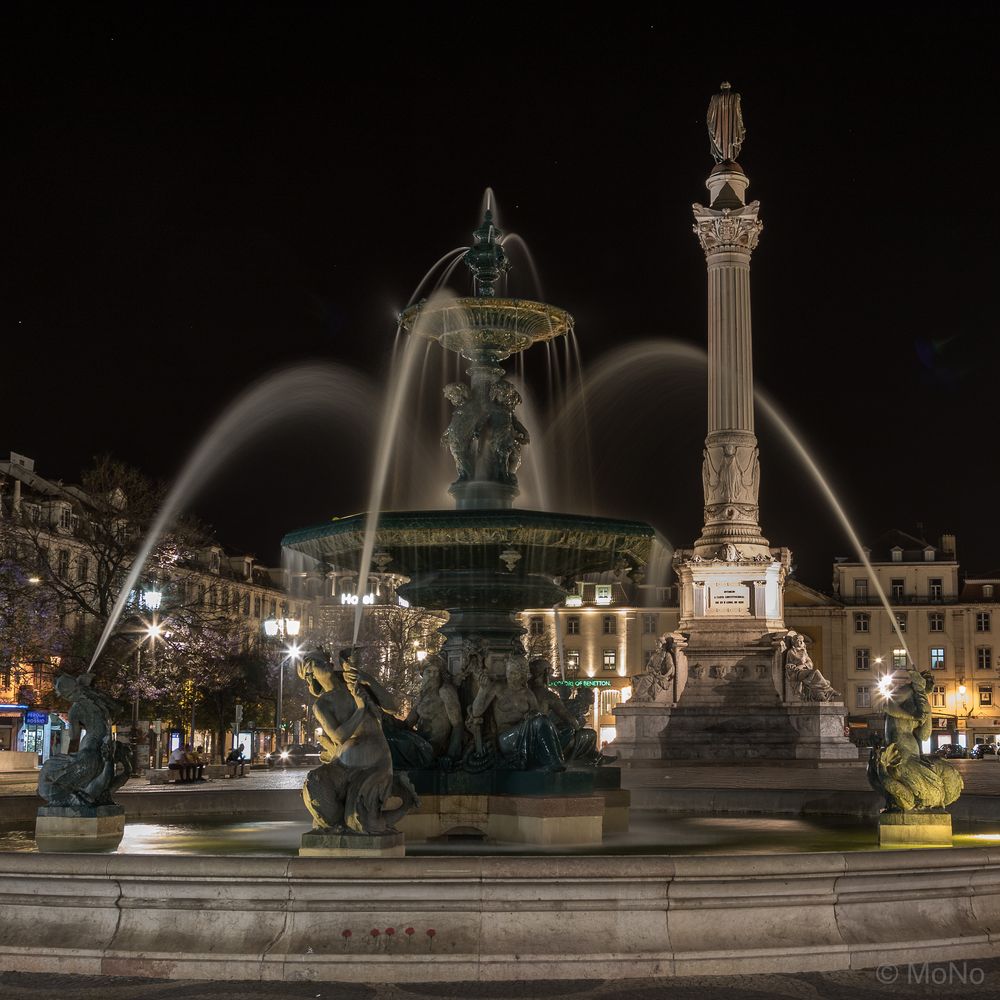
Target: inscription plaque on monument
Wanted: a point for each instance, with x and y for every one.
(729, 599)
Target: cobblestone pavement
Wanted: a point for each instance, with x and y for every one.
(941, 981)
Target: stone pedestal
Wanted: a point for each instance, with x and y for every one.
(62, 829)
(326, 844)
(914, 829)
(820, 730)
(640, 731)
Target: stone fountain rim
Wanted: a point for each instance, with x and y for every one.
(406, 520)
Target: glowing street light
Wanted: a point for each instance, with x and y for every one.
(152, 599)
(421, 655)
(284, 627)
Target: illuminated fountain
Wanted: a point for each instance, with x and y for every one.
(483, 563)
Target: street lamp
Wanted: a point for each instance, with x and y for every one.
(150, 599)
(274, 627)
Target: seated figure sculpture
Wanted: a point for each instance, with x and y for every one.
(907, 780)
(524, 738)
(578, 742)
(436, 714)
(807, 682)
(656, 685)
(88, 777)
(348, 792)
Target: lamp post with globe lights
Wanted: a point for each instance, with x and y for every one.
(152, 630)
(282, 628)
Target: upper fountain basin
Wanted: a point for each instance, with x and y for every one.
(486, 329)
(518, 541)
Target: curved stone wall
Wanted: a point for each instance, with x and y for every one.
(466, 918)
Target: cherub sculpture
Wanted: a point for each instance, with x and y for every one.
(461, 437)
(88, 777)
(348, 792)
(506, 433)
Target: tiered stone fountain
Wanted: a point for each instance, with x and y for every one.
(484, 562)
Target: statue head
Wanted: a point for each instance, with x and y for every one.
(67, 686)
(433, 672)
(517, 671)
(457, 393)
(794, 640)
(318, 671)
(540, 669)
(729, 450)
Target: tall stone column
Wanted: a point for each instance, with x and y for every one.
(728, 230)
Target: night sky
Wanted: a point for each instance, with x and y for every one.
(195, 197)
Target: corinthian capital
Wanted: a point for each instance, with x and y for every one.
(719, 230)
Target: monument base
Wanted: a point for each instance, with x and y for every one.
(812, 731)
(61, 829)
(515, 819)
(914, 829)
(326, 844)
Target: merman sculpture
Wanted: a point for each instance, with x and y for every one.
(88, 777)
(348, 793)
(916, 789)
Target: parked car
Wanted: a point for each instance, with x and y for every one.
(952, 751)
(296, 755)
(981, 750)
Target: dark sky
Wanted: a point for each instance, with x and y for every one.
(197, 195)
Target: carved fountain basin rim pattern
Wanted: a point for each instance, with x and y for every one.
(518, 319)
(532, 532)
(495, 918)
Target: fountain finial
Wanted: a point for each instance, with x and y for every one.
(486, 259)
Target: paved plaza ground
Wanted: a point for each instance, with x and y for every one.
(982, 777)
(974, 978)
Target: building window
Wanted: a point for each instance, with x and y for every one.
(649, 624)
(899, 659)
(937, 657)
(246, 605)
(985, 694)
(936, 621)
(896, 589)
(864, 696)
(984, 657)
(65, 518)
(256, 607)
(861, 623)
(603, 593)
(609, 698)
(536, 626)
(82, 569)
(862, 659)
(572, 661)
(573, 626)
(936, 589)
(861, 590)
(987, 590)
(610, 659)
(897, 555)
(63, 563)
(937, 696)
(901, 622)
(929, 554)
(982, 621)
(610, 626)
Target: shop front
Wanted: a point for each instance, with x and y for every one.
(11, 723)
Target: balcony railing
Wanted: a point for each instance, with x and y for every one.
(873, 600)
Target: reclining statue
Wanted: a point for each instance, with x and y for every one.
(88, 777)
(808, 683)
(577, 741)
(524, 738)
